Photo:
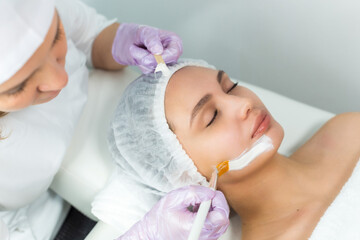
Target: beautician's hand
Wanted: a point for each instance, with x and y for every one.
(136, 44)
(173, 216)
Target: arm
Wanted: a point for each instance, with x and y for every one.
(135, 44)
(101, 51)
(115, 47)
(102, 40)
(82, 25)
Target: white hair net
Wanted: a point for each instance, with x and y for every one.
(141, 141)
(150, 159)
(23, 27)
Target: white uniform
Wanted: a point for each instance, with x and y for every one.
(38, 136)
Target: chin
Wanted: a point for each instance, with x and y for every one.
(276, 133)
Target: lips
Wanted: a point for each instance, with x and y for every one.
(262, 123)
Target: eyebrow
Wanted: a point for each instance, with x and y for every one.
(220, 76)
(199, 105)
(202, 102)
(23, 83)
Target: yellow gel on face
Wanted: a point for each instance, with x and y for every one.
(222, 168)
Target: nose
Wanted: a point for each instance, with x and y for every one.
(243, 106)
(56, 80)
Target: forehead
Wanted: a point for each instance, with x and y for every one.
(185, 89)
(191, 78)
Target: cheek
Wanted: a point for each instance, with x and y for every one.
(204, 154)
(233, 140)
(17, 102)
(220, 144)
(63, 47)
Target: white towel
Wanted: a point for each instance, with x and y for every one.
(342, 219)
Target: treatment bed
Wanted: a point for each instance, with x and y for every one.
(88, 164)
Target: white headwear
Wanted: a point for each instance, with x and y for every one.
(150, 159)
(23, 27)
(141, 141)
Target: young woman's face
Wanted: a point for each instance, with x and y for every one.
(216, 120)
(42, 77)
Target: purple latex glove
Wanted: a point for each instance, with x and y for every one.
(172, 217)
(136, 44)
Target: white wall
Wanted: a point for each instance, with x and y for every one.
(308, 50)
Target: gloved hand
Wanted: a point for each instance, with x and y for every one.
(136, 44)
(173, 216)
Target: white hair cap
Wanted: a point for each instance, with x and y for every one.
(141, 141)
(150, 160)
(23, 27)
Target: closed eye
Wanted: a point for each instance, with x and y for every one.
(18, 90)
(235, 84)
(216, 111)
(213, 119)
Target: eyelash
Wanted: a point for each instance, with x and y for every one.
(57, 36)
(235, 84)
(19, 90)
(213, 119)
(216, 111)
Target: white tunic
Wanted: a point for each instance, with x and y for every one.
(38, 136)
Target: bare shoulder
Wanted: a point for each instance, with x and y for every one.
(345, 129)
(351, 118)
(339, 138)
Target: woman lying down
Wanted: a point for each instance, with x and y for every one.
(170, 132)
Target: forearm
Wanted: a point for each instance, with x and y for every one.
(101, 50)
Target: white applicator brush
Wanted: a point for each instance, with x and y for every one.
(263, 144)
(161, 66)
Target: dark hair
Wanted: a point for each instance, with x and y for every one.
(1, 115)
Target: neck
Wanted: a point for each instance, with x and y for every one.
(277, 192)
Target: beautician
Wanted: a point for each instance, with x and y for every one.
(45, 49)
